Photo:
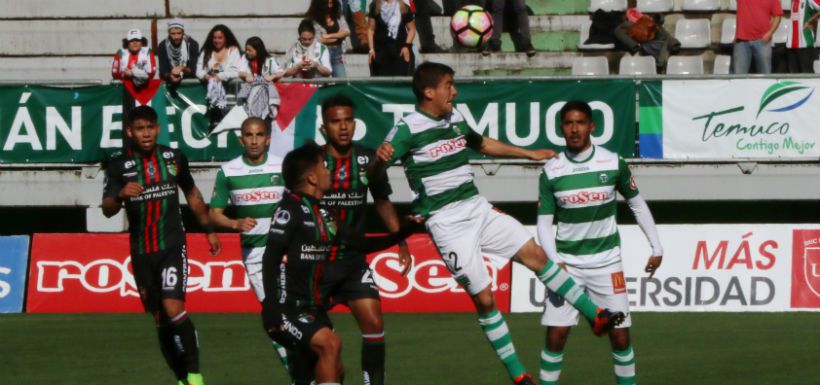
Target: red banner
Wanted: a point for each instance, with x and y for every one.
(92, 273)
(806, 269)
(429, 287)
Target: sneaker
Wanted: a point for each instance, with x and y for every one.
(531, 52)
(524, 379)
(491, 47)
(606, 320)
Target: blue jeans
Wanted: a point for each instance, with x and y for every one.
(337, 63)
(746, 51)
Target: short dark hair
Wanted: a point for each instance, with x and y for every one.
(337, 100)
(141, 112)
(576, 105)
(428, 75)
(256, 120)
(306, 25)
(298, 162)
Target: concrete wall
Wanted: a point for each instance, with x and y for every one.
(38, 9)
(238, 8)
(67, 37)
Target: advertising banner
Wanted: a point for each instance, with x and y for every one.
(730, 118)
(727, 268)
(72, 273)
(13, 265)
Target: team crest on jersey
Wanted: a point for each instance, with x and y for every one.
(364, 180)
(305, 209)
(282, 217)
(275, 179)
(172, 168)
(603, 178)
(342, 173)
(363, 160)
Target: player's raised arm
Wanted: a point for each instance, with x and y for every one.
(492, 147)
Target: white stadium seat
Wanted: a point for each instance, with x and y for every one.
(590, 65)
(655, 6)
(727, 31)
(700, 5)
(693, 33)
(637, 65)
(684, 65)
(786, 4)
(817, 66)
(722, 65)
(733, 5)
(782, 32)
(607, 5)
(585, 35)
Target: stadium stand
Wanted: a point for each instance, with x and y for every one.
(685, 65)
(584, 35)
(655, 6)
(694, 33)
(701, 5)
(607, 5)
(637, 65)
(590, 65)
(727, 31)
(722, 65)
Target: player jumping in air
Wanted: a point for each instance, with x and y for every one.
(348, 278)
(253, 184)
(432, 145)
(303, 237)
(145, 179)
(587, 245)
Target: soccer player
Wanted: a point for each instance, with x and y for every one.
(253, 184)
(578, 188)
(348, 278)
(303, 237)
(145, 179)
(432, 144)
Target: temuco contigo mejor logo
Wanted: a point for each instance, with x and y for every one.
(778, 91)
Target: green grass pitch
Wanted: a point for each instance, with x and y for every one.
(680, 348)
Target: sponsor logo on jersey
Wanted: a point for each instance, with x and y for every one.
(167, 154)
(293, 330)
(618, 283)
(447, 147)
(585, 197)
(129, 174)
(129, 164)
(363, 160)
(256, 196)
(282, 217)
(306, 318)
(342, 173)
(305, 209)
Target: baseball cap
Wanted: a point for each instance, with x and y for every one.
(133, 34)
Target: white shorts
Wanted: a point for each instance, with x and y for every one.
(606, 286)
(252, 257)
(466, 231)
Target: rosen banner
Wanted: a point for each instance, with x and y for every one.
(743, 118)
(733, 268)
(13, 264)
(84, 125)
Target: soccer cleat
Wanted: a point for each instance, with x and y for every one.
(195, 379)
(606, 320)
(524, 379)
(180, 382)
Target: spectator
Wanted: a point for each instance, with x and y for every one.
(177, 55)
(332, 30)
(352, 11)
(390, 34)
(219, 62)
(308, 58)
(800, 52)
(757, 20)
(424, 10)
(135, 66)
(519, 8)
(259, 69)
(640, 33)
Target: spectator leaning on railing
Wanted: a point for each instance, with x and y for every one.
(135, 66)
(331, 30)
(177, 55)
(392, 28)
(219, 62)
(308, 58)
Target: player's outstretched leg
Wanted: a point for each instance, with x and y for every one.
(168, 347)
(498, 335)
(187, 342)
(368, 315)
(557, 280)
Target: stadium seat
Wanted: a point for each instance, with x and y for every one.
(727, 32)
(694, 33)
(590, 65)
(585, 35)
(787, 5)
(782, 32)
(607, 5)
(684, 65)
(817, 41)
(817, 66)
(701, 5)
(733, 5)
(722, 65)
(637, 65)
(655, 6)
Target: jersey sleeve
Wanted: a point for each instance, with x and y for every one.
(626, 182)
(219, 199)
(546, 200)
(184, 178)
(113, 184)
(399, 137)
(473, 138)
(280, 235)
(380, 185)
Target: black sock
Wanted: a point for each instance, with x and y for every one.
(186, 341)
(373, 359)
(169, 351)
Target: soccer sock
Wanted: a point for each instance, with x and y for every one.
(551, 363)
(373, 358)
(166, 344)
(624, 362)
(499, 336)
(186, 340)
(561, 283)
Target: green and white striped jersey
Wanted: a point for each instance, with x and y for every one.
(581, 195)
(434, 154)
(254, 190)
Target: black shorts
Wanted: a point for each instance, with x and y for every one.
(162, 275)
(300, 325)
(347, 280)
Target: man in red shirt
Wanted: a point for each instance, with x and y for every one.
(757, 20)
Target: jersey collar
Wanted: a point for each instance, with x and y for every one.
(591, 154)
